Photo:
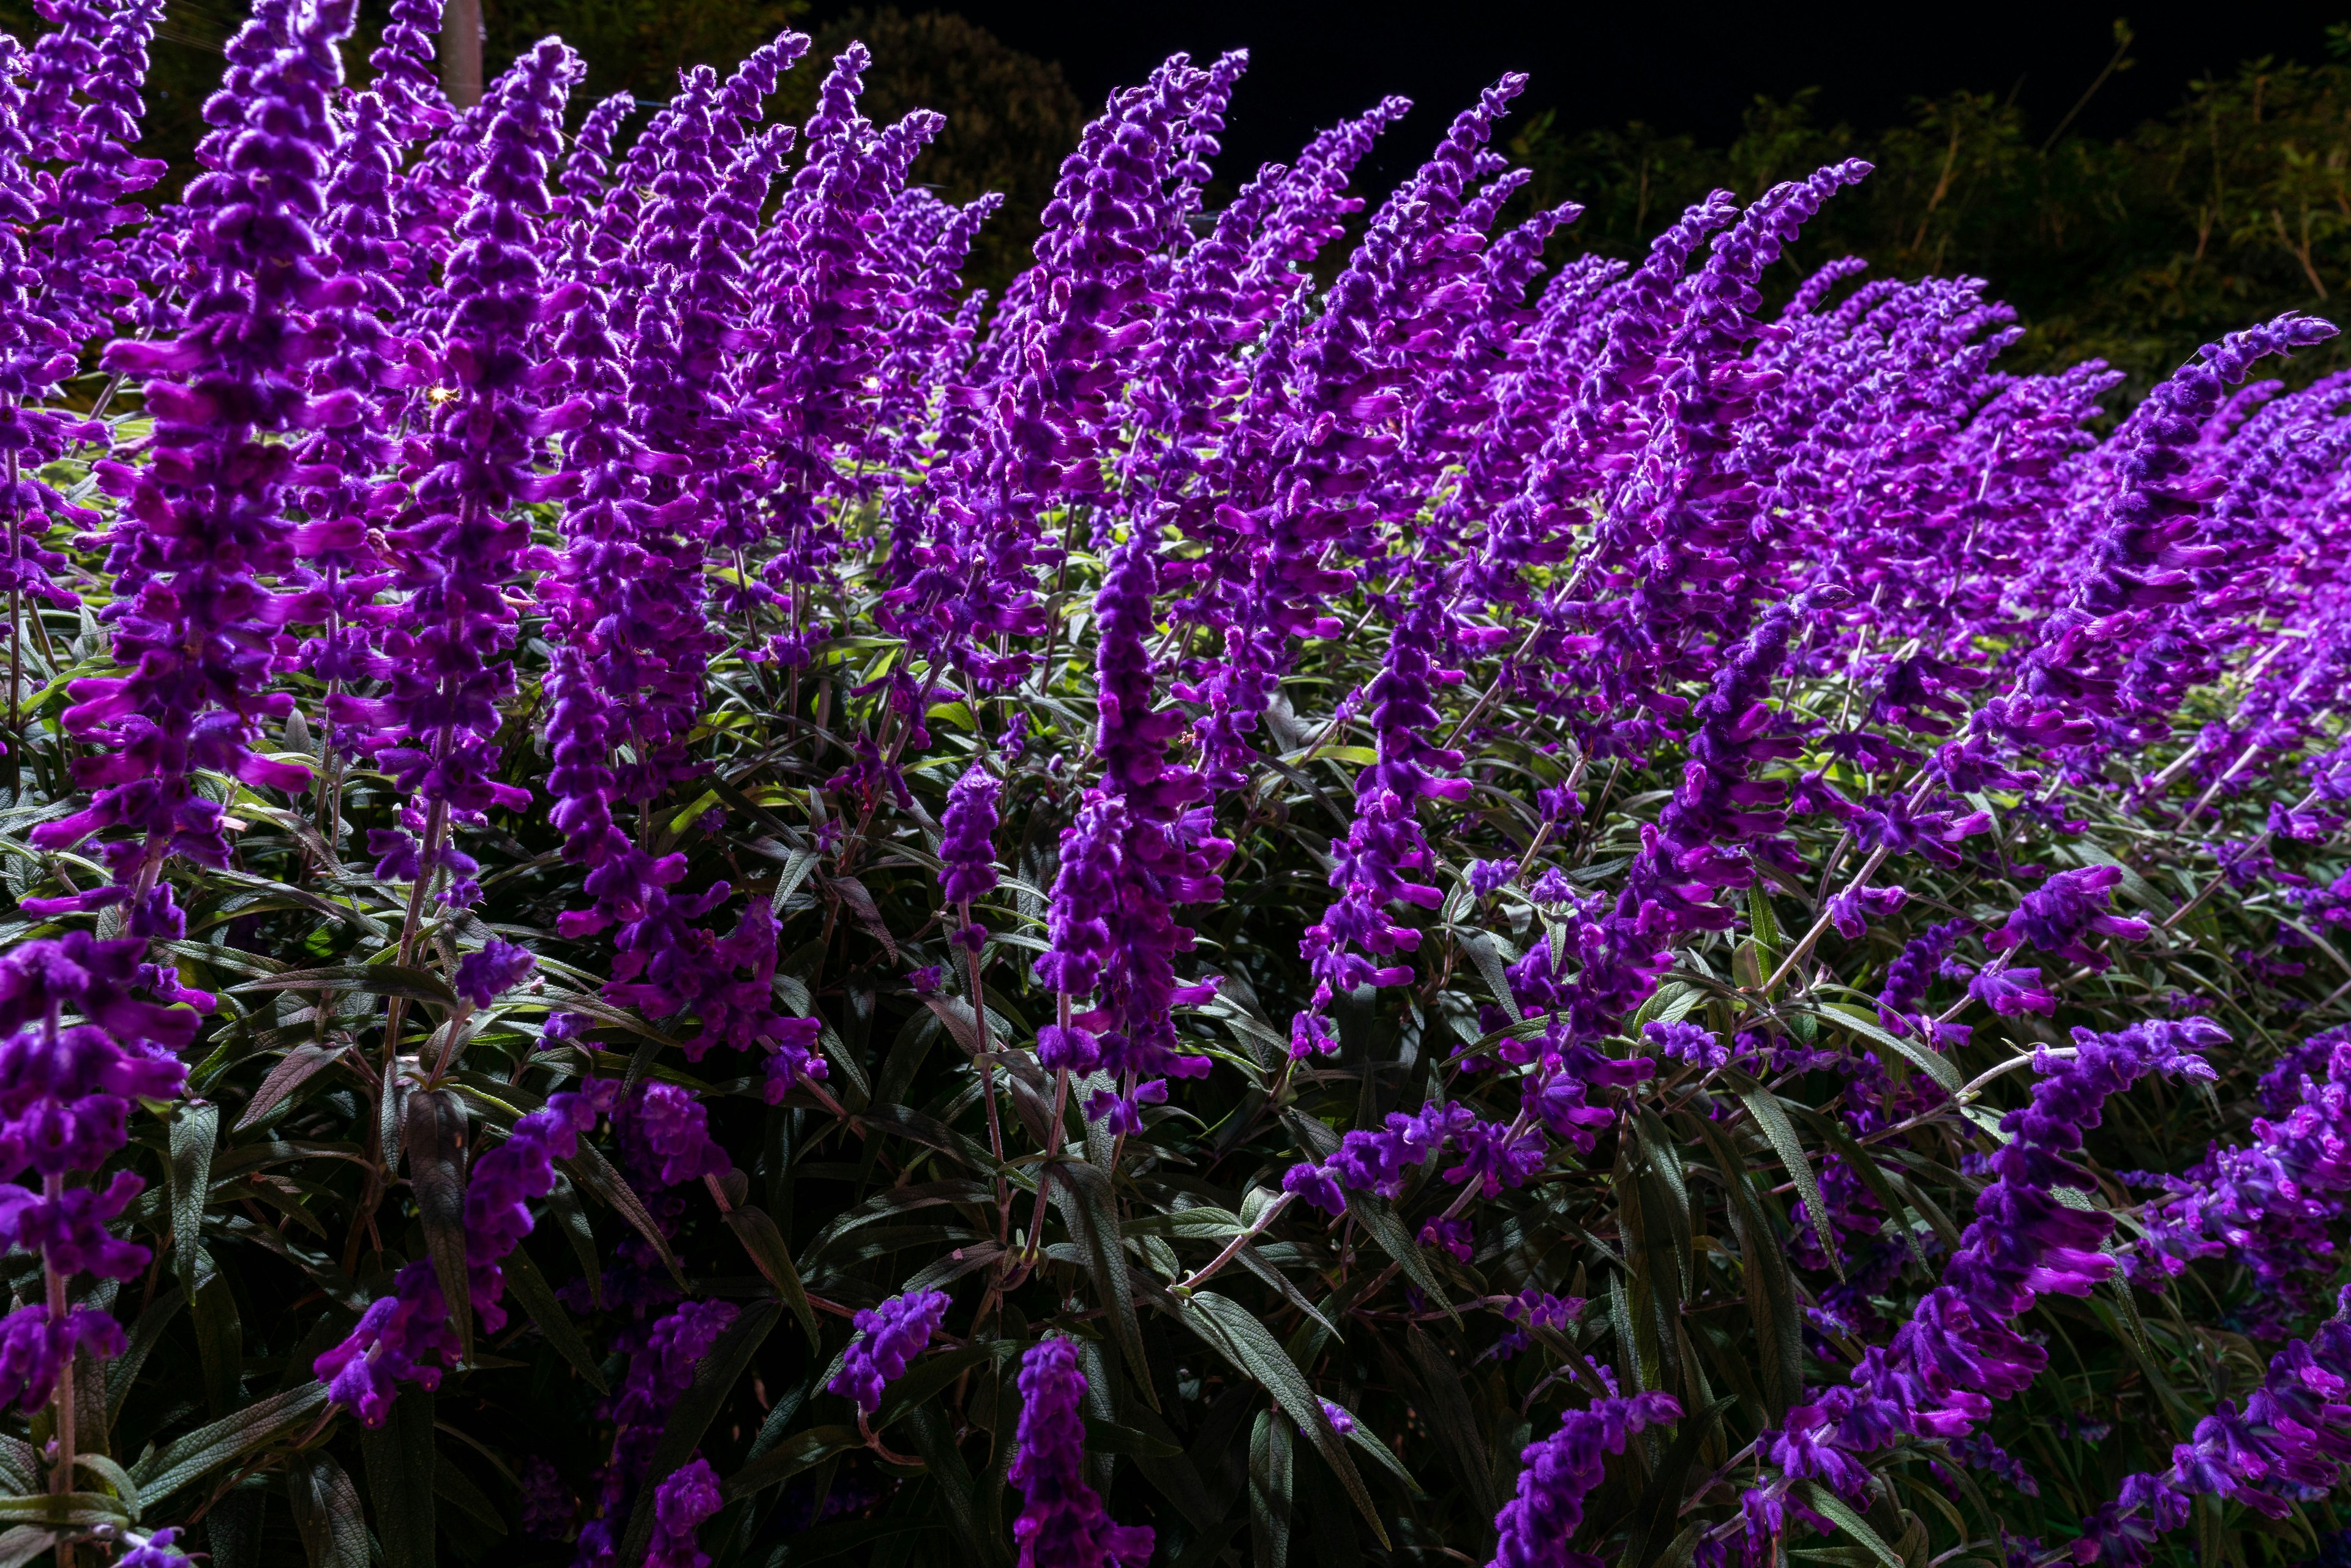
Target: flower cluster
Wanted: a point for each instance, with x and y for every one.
(556, 657)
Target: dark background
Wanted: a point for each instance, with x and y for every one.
(1684, 68)
(2133, 190)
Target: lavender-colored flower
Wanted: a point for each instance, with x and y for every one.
(688, 1496)
(967, 852)
(498, 968)
(1561, 1471)
(548, 1506)
(192, 620)
(159, 1550)
(658, 1375)
(2057, 914)
(1063, 1522)
(890, 1335)
(1488, 877)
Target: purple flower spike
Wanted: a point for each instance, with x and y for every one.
(2071, 904)
(1062, 1523)
(1561, 1471)
(891, 1335)
(681, 1503)
(484, 977)
(967, 852)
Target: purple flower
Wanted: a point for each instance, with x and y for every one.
(548, 1505)
(1560, 1470)
(1489, 877)
(966, 854)
(675, 1129)
(1687, 1042)
(890, 1335)
(1541, 1310)
(683, 1500)
(192, 621)
(2010, 992)
(659, 1375)
(1850, 911)
(1063, 1522)
(1455, 1236)
(2055, 916)
(498, 968)
(159, 1550)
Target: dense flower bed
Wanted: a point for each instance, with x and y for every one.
(1299, 895)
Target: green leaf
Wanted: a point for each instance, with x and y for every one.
(375, 980)
(164, 1470)
(70, 1508)
(1445, 1402)
(716, 1377)
(291, 1070)
(116, 1479)
(1653, 1516)
(195, 1132)
(20, 1466)
(530, 1288)
(895, 1201)
(399, 1459)
(765, 1243)
(935, 1443)
(1933, 1063)
(1364, 1437)
(1763, 923)
(1859, 1161)
(1763, 1266)
(1109, 1438)
(861, 1536)
(589, 1169)
(326, 1512)
(801, 1451)
(1484, 954)
(1772, 1117)
(933, 1373)
(1236, 1334)
(572, 1220)
(1082, 1194)
(436, 1140)
(1270, 1485)
(1835, 1508)
(1378, 1217)
(220, 1335)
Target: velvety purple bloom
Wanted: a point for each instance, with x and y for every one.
(1850, 910)
(498, 968)
(1063, 1522)
(548, 1506)
(1541, 1310)
(2056, 915)
(194, 621)
(675, 1129)
(407, 1336)
(1455, 1236)
(658, 1375)
(890, 1335)
(2011, 992)
(688, 1496)
(967, 850)
(1560, 1470)
(159, 1550)
(1489, 877)
(1913, 970)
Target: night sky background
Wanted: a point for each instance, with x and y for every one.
(1683, 68)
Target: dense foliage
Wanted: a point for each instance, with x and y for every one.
(682, 895)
